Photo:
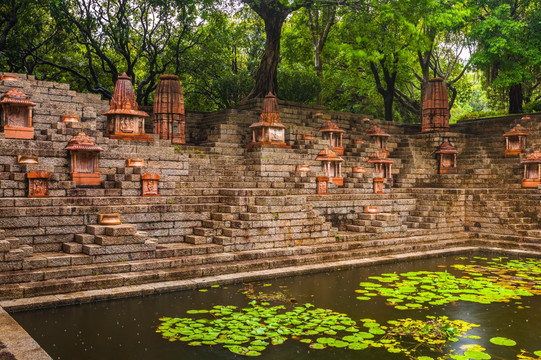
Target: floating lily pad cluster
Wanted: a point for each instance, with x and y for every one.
(249, 330)
(494, 281)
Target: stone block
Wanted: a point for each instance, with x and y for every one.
(120, 240)
(121, 230)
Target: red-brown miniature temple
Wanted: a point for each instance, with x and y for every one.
(332, 166)
(447, 159)
(16, 120)
(333, 134)
(383, 170)
(435, 106)
(532, 170)
(379, 136)
(169, 113)
(149, 184)
(38, 183)
(124, 120)
(515, 141)
(269, 130)
(84, 160)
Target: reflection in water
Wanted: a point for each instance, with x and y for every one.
(125, 329)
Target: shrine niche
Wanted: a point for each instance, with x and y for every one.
(169, 114)
(84, 160)
(27, 159)
(149, 184)
(16, 120)
(303, 168)
(8, 77)
(332, 133)
(306, 137)
(383, 166)
(124, 121)
(371, 209)
(70, 119)
(269, 130)
(321, 182)
(447, 159)
(379, 136)
(515, 141)
(332, 165)
(109, 219)
(435, 106)
(359, 170)
(532, 170)
(38, 183)
(135, 162)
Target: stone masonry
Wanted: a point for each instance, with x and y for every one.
(224, 207)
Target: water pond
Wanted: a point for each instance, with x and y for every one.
(459, 307)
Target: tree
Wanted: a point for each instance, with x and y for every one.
(273, 13)
(507, 45)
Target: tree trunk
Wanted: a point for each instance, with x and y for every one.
(319, 73)
(388, 99)
(515, 99)
(266, 77)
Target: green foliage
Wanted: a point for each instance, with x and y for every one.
(533, 106)
(298, 84)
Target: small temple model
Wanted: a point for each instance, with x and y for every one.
(515, 141)
(169, 113)
(447, 158)
(379, 136)
(333, 134)
(332, 166)
(84, 160)
(435, 106)
(269, 130)
(532, 170)
(383, 166)
(16, 120)
(124, 120)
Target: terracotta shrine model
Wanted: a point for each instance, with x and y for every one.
(333, 134)
(169, 114)
(16, 120)
(84, 160)
(332, 166)
(435, 106)
(70, 118)
(447, 159)
(269, 130)
(515, 141)
(149, 184)
(383, 170)
(532, 170)
(38, 183)
(124, 121)
(379, 136)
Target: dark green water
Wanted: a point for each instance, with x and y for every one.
(125, 329)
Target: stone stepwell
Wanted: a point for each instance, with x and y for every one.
(201, 199)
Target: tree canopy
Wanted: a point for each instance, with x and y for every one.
(363, 56)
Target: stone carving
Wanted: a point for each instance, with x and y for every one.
(333, 134)
(359, 170)
(383, 166)
(169, 113)
(435, 106)
(70, 118)
(532, 170)
(378, 185)
(379, 136)
(371, 209)
(331, 165)
(38, 183)
(84, 160)
(109, 219)
(149, 184)
(515, 141)
(447, 158)
(27, 159)
(16, 119)
(322, 185)
(124, 120)
(135, 162)
(269, 130)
